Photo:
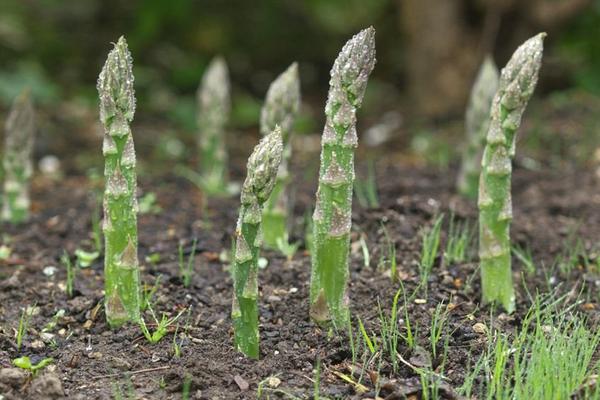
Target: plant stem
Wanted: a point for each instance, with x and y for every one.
(280, 109)
(477, 121)
(332, 217)
(262, 171)
(121, 267)
(517, 82)
(17, 162)
(213, 113)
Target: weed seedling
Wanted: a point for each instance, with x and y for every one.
(438, 322)
(147, 204)
(26, 315)
(148, 293)
(25, 363)
(285, 247)
(524, 255)
(161, 326)
(186, 269)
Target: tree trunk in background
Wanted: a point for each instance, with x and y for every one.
(440, 55)
(445, 40)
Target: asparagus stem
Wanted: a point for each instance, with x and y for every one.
(213, 113)
(262, 171)
(121, 268)
(17, 161)
(280, 109)
(477, 122)
(333, 211)
(517, 83)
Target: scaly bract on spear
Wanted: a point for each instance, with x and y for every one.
(121, 267)
(17, 161)
(477, 121)
(517, 83)
(332, 217)
(260, 179)
(213, 113)
(280, 109)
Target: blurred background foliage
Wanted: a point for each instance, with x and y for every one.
(57, 48)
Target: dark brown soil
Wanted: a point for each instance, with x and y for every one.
(92, 360)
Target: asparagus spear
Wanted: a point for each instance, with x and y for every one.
(280, 109)
(17, 161)
(121, 268)
(262, 172)
(517, 83)
(333, 210)
(477, 121)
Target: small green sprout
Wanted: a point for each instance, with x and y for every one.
(161, 326)
(186, 269)
(429, 250)
(148, 293)
(153, 258)
(438, 323)
(25, 363)
(147, 204)
(185, 390)
(49, 327)
(86, 258)
(524, 255)
(371, 344)
(26, 315)
(287, 248)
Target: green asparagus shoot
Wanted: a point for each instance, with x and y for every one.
(477, 121)
(332, 217)
(261, 176)
(517, 83)
(17, 161)
(186, 269)
(25, 363)
(121, 266)
(66, 261)
(213, 114)
(280, 109)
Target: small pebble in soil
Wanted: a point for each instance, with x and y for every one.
(241, 382)
(480, 328)
(49, 270)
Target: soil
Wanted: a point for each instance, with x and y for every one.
(93, 362)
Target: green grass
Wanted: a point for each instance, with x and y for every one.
(460, 237)
(523, 254)
(186, 269)
(550, 357)
(26, 315)
(430, 243)
(389, 257)
(161, 326)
